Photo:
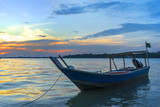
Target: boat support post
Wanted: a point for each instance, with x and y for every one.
(114, 63)
(63, 60)
(110, 64)
(124, 62)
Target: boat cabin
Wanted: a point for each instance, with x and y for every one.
(132, 54)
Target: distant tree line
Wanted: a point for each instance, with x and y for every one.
(105, 55)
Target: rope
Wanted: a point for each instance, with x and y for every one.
(42, 94)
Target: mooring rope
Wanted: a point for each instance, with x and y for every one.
(42, 94)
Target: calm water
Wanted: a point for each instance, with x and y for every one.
(23, 80)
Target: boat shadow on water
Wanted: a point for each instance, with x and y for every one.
(131, 93)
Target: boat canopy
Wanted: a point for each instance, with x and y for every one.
(128, 53)
(131, 53)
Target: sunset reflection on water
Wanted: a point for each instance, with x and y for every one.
(24, 80)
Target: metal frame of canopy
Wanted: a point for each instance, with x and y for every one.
(132, 53)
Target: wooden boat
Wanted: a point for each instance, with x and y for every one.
(90, 80)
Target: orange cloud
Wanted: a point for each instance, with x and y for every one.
(58, 43)
(19, 44)
(111, 40)
(53, 51)
(2, 53)
(8, 46)
(12, 44)
(21, 48)
(96, 41)
(5, 48)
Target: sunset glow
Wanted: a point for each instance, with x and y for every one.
(82, 26)
(58, 43)
(2, 53)
(113, 40)
(53, 51)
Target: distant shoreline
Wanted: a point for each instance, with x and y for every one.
(105, 55)
(23, 57)
(64, 57)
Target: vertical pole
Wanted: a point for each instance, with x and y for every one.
(124, 62)
(114, 63)
(145, 59)
(147, 53)
(110, 64)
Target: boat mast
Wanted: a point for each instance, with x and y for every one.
(124, 62)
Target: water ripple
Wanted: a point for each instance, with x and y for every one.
(23, 80)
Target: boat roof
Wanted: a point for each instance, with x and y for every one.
(128, 53)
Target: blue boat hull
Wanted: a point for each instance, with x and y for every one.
(88, 80)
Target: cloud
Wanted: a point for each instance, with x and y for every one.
(27, 22)
(54, 47)
(127, 9)
(75, 31)
(34, 34)
(153, 8)
(2, 53)
(21, 48)
(25, 33)
(39, 42)
(65, 10)
(58, 43)
(112, 40)
(94, 7)
(6, 48)
(34, 47)
(105, 5)
(156, 35)
(50, 17)
(125, 28)
(15, 46)
(31, 43)
(43, 36)
(53, 51)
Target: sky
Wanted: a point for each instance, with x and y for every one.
(53, 27)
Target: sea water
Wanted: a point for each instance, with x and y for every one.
(22, 81)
